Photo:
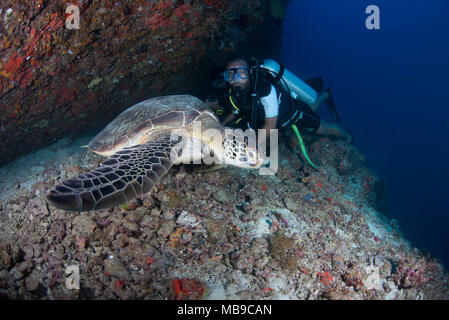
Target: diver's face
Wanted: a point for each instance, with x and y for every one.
(237, 81)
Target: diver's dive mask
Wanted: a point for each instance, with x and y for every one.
(241, 73)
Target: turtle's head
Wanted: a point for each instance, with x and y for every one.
(240, 149)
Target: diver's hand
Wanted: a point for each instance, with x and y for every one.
(228, 118)
(213, 103)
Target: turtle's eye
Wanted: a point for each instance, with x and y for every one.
(251, 154)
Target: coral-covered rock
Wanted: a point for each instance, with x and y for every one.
(83, 226)
(58, 79)
(115, 268)
(187, 289)
(31, 284)
(6, 261)
(309, 234)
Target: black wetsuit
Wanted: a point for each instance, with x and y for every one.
(291, 111)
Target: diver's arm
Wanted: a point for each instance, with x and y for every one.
(271, 107)
(228, 118)
(270, 123)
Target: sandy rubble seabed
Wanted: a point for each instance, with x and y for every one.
(229, 234)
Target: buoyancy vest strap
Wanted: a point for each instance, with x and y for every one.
(303, 148)
(280, 73)
(254, 97)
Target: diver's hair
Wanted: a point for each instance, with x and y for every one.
(235, 58)
(250, 60)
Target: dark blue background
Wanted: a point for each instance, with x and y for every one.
(391, 87)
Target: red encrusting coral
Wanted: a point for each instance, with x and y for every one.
(325, 278)
(136, 50)
(187, 289)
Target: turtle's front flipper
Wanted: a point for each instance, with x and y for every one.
(121, 178)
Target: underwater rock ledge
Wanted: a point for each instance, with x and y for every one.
(229, 234)
(57, 82)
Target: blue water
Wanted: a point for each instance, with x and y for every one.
(391, 87)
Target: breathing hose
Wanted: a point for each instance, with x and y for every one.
(303, 148)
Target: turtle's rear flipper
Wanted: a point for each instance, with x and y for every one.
(121, 178)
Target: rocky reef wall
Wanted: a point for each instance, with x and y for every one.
(57, 80)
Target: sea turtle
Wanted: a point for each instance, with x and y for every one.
(143, 142)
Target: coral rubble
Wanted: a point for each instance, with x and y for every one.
(229, 234)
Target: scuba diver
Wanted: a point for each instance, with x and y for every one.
(267, 96)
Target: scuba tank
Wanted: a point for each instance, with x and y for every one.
(298, 89)
(305, 91)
